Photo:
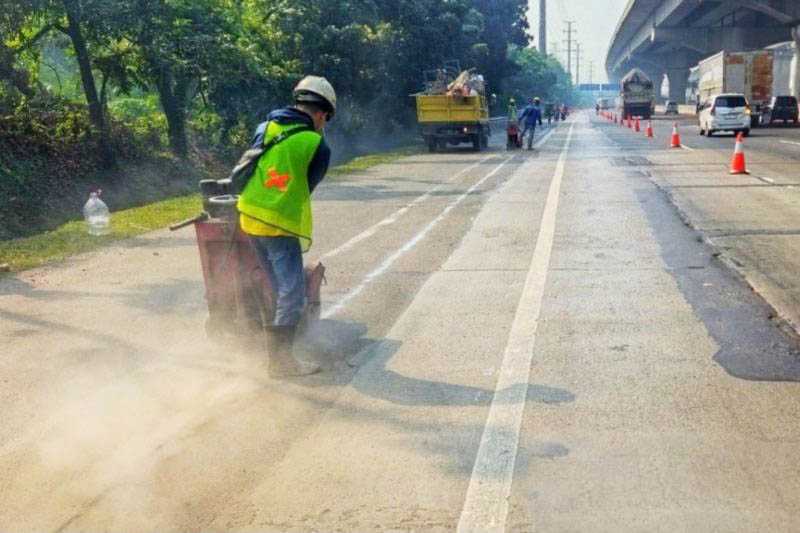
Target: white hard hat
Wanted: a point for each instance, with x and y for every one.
(315, 90)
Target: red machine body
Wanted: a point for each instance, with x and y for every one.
(513, 136)
(238, 291)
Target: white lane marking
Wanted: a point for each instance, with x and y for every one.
(791, 142)
(391, 219)
(768, 180)
(486, 505)
(687, 148)
(389, 260)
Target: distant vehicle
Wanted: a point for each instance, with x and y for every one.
(784, 64)
(783, 108)
(604, 103)
(637, 98)
(725, 112)
(672, 108)
(453, 109)
(746, 73)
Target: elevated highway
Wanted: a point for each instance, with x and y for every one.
(667, 37)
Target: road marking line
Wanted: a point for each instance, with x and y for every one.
(687, 148)
(486, 505)
(391, 219)
(791, 142)
(389, 260)
(394, 217)
(765, 179)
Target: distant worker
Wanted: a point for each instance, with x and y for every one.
(549, 112)
(512, 110)
(531, 115)
(275, 209)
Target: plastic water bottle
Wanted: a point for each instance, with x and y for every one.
(96, 213)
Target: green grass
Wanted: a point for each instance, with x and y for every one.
(367, 161)
(72, 238)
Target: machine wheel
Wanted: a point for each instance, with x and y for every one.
(476, 142)
(746, 132)
(709, 133)
(431, 144)
(701, 131)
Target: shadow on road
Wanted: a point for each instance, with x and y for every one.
(751, 347)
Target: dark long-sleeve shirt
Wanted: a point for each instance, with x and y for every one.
(531, 115)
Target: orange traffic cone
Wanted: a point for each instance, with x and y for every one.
(650, 129)
(676, 139)
(737, 162)
(637, 127)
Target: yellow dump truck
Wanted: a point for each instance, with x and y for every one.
(447, 119)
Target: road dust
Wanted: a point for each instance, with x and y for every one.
(95, 452)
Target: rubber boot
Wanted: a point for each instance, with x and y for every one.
(280, 346)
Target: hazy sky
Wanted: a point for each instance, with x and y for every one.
(595, 21)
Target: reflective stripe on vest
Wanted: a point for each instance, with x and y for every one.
(277, 194)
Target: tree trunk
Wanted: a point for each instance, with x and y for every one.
(172, 93)
(72, 8)
(19, 79)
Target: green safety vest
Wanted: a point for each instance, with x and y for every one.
(277, 193)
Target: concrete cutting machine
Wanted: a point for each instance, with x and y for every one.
(239, 293)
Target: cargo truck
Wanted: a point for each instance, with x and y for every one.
(747, 73)
(453, 109)
(637, 97)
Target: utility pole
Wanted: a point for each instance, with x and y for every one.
(543, 27)
(569, 31)
(577, 63)
(591, 72)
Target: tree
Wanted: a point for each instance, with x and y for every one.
(505, 25)
(537, 75)
(74, 12)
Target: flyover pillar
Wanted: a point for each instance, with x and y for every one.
(678, 83)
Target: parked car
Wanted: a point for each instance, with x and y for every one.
(783, 108)
(671, 109)
(725, 112)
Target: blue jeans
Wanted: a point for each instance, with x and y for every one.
(282, 259)
(532, 129)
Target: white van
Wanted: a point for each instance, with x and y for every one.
(725, 112)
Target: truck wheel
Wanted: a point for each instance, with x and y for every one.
(476, 142)
(431, 145)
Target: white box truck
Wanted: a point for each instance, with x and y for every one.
(747, 73)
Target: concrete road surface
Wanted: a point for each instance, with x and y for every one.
(557, 340)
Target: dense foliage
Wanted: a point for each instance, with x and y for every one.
(99, 83)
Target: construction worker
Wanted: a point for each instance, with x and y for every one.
(529, 118)
(512, 110)
(275, 209)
